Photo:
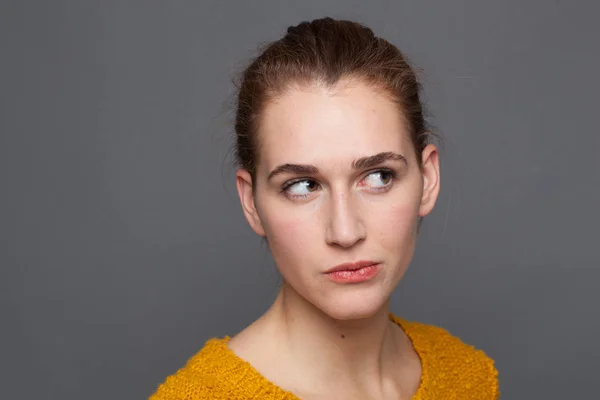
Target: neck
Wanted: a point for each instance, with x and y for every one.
(354, 352)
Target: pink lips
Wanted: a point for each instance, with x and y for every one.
(353, 272)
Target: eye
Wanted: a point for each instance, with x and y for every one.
(300, 188)
(380, 179)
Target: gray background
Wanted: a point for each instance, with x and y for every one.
(123, 246)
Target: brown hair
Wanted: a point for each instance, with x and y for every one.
(323, 52)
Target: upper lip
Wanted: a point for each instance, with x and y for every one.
(351, 266)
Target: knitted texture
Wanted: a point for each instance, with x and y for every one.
(451, 370)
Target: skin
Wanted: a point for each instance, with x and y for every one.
(335, 340)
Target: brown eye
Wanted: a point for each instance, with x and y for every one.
(379, 179)
(301, 188)
(385, 176)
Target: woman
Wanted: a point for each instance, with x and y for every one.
(336, 171)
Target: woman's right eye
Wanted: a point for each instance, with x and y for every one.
(302, 188)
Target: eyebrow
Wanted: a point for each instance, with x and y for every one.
(360, 163)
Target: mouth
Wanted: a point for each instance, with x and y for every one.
(355, 266)
(354, 272)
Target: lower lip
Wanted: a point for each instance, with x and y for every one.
(354, 276)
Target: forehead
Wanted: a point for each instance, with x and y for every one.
(321, 126)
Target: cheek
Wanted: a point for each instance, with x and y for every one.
(289, 235)
(397, 227)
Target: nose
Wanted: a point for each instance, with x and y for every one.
(344, 225)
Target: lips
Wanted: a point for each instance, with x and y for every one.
(351, 266)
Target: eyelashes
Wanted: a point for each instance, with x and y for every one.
(301, 188)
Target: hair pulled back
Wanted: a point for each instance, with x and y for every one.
(322, 52)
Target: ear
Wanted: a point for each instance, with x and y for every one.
(431, 179)
(243, 181)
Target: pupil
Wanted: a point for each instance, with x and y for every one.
(385, 176)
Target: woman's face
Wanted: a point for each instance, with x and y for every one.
(338, 181)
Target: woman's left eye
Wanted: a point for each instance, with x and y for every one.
(379, 179)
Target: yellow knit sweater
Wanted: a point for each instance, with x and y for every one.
(451, 370)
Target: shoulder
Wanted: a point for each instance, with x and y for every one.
(199, 379)
(451, 364)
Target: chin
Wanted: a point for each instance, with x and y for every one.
(357, 304)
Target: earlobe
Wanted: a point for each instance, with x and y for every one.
(431, 179)
(244, 186)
